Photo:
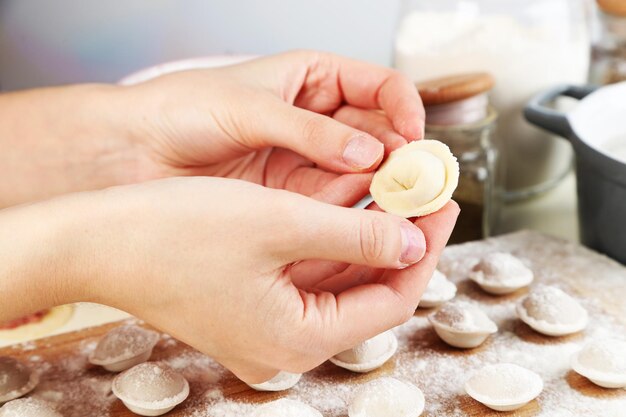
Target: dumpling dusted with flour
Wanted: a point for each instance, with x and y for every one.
(439, 290)
(368, 355)
(124, 347)
(549, 310)
(286, 407)
(501, 273)
(603, 362)
(150, 389)
(16, 379)
(281, 382)
(504, 386)
(386, 397)
(461, 324)
(28, 407)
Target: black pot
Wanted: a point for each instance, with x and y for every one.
(598, 119)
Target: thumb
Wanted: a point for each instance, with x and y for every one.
(376, 239)
(322, 139)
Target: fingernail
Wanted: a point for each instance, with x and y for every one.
(363, 152)
(413, 244)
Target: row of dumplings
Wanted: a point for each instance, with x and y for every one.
(502, 387)
(497, 273)
(145, 388)
(380, 397)
(152, 389)
(546, 309)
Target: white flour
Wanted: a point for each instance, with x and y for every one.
(523, 59)
(422, 359)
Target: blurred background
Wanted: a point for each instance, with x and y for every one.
(61, 41)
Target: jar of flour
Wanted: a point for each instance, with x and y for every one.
(528, 45)
(608, 63)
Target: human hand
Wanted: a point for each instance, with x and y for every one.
(269, 120)
(210, 261)
(292, 121)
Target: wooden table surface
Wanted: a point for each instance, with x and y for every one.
(82, 390)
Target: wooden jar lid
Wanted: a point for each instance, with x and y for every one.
(454, 88)
(615, 7)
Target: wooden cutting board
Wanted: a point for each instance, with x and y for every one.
(80, 389)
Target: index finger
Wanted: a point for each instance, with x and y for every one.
(373, 87)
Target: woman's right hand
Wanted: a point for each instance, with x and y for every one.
(211, 262)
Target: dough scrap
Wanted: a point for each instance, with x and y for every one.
(416, 179)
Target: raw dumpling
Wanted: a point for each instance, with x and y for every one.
(28, 407)
(124, 347)
(150, 389)
(461, 324)
(552, 312)
(501, 273)
(16, 379)
(386, 397)
(368, 355)
(282, 381)
(504, 387)
(416, 179)
(603, 362)
(286, 408)
(439, 290)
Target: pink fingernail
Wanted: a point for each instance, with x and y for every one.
(413, 244)
(363, 152)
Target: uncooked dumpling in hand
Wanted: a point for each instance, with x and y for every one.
(416, 179)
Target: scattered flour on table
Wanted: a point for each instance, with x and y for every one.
(422, 359)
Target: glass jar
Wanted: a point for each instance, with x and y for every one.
(609, 48)
(479, 185)
(528, 45)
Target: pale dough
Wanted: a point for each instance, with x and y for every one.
(386, 397)
(368, 355)
(504, 386)
(416, 179)
(603, 362)
(551, 311)
(150, 389)
(28, 407)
